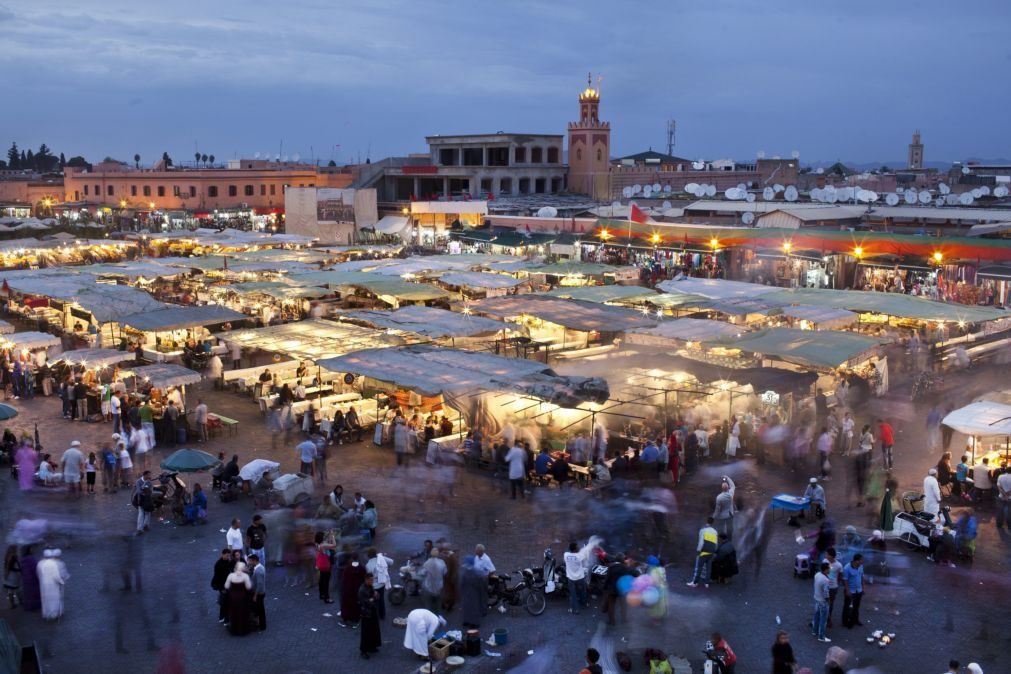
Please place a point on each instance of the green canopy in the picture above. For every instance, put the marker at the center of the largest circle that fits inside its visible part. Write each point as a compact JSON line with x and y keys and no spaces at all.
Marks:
{"x":813,"y":348}
{"x":604,"y":294}
{"x":189,"y":461}
{"x":889,"y":304}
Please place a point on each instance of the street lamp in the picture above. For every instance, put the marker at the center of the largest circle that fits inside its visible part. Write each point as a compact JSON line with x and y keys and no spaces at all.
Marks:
{"x":714,"y":244}
{"x":858,"y":251}
{"x":787,"y":246}
{"x":604,"y":235}
{"x":655,"y":239}
{"x":938,"y":257}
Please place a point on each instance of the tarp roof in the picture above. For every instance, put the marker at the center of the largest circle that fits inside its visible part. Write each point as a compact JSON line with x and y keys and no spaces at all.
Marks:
{"x":823,"y":317}
{"x":575,"y":269}
{"x":389,"y":286}
{"x":814,"y":348}
{"x":392,"y":224}
{"x":604,"y":294}
{"x":311,"y":339}
{"x":891,"y":304}
{"x":432,"y":370}
{"x":133,"y":269}
{"x":177,"y":318}
{"x":983,"y":418}
{"x":572,"y":314}
{"x":32,"y":340}
{"x":683,"y":329}
{"x":760,"y":378}
{"x":277,"y":289}
{"x":432,"y":322}
{"x":479,"y":279}
{"x":106,"y":302}
{"x":96,"y":357}
{"x":163,"y":375}
{"x":715,"y":289}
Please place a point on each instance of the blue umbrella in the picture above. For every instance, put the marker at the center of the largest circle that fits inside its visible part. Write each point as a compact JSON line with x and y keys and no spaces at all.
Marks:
{"x":189,"y":461}
{"x":7,"y":412}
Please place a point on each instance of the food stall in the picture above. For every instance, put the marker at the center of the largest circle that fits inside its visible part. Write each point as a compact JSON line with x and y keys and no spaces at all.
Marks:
{"x":166,"y":333}
{"x":461,"y":329}
{"x":987,"y":426}
{"x":156,"y":384}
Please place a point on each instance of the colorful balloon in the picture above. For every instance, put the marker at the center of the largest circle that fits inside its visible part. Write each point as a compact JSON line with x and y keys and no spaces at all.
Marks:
{"x":625,"y":584}
{"x":650,"y":596}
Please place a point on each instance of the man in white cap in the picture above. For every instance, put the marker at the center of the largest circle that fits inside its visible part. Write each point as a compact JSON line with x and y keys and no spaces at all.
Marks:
{"x":52,"y":573}
{"x":816,"y":493}
{"x":422,"y":625}
{"x":931,"y":493}
{"x":72,"y":462}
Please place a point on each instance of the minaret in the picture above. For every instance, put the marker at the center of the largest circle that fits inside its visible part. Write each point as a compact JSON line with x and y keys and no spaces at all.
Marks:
{"x":590,"y":147}
{"x":916,"y":152}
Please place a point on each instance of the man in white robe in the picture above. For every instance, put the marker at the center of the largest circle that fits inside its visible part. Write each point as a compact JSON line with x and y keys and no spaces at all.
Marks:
{"x":53,"y":577}
{"x":422,"y":625}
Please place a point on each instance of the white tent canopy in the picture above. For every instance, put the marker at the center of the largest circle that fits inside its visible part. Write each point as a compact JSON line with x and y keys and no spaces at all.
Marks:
{"x":825,"y":318}
{"x":164,"y":375}
{"x":683,"y":329}
{"x":715,"y":289}
{"x":96,"y":357}
{"x":310,"y":340}
{"x":393,"y":224}
{"x":177,"y":318}
{"x":478,"y":279}
{"x":432,"y":322}
{"x":983,"y":418}
{"x":33,"y":340}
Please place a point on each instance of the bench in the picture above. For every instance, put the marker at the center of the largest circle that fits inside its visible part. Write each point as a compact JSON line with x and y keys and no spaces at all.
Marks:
{"x":216,"y":421}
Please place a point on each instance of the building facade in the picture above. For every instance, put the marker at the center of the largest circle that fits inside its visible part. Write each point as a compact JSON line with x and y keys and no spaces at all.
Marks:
{"x":590,"y":148}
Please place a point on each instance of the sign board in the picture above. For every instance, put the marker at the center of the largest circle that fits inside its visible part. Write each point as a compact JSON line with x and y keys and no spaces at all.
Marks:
{"x":770,"y":398}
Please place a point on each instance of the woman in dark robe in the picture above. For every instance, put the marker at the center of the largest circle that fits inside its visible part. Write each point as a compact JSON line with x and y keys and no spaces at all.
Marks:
{"x":239,"y":587}
{"x":725,"y":561}
{"x":449,"y":587}
{"x":31,"y":595}
{"x":473,"y":593}
{"x":351,"y":580}
{"x":371,"y":639}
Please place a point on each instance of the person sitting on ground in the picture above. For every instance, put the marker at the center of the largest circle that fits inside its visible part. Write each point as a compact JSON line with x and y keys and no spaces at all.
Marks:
{"x":851,"y":539}
{"x":47,"y":471}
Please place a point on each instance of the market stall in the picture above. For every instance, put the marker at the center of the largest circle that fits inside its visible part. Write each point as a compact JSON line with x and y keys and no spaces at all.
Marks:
{"x":478,"y":284}
{"x":682,"y":331}
{"x":159,"y":384}
{"x":172,"y":333}
{"x":605,"y":294}
{"x":988,"y":427}
{"x":433,"y":323}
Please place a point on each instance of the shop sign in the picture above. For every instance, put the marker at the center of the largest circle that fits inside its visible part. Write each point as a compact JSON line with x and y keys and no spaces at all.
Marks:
{"x":770,"y":398}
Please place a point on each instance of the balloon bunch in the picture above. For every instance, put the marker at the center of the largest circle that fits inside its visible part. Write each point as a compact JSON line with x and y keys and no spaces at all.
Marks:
{"x":641,"y":590}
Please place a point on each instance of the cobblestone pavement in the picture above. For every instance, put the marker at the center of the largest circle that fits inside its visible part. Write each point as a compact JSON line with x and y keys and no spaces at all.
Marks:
{"x":937,"y":613}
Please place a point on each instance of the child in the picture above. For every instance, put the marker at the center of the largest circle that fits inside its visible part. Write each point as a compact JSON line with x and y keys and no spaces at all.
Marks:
{"x":89,"y":470}
{"x":961,"y":473}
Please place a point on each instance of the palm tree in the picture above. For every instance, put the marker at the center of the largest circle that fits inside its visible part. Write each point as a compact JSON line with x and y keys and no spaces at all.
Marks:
{"x":212,"y":160}
{"x":196,"y":158}
{"x":203,"y":158}
{"x":136,"y":160}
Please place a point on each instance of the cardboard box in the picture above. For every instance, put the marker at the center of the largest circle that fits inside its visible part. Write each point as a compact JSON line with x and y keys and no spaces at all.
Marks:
{"x":439,"y":649}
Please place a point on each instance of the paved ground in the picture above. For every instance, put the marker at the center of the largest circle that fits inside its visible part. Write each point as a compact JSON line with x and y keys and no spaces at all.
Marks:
{"x":937,"y":613}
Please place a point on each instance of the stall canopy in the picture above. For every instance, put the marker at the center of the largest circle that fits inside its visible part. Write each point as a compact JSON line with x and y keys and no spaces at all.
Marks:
{"x":432,"y":322}
{"x":432,"y":370}
{"x":163,"y":375}
{"x":983,"y":418}
{"x":381,"y":286}
{"x":760,"y":378}
{"x":889,"y":304}
{"x":134,"y":269}
{"x":825,"y":318}
{"x":571,"y":314}
{"x":669,"y":333}
{"x":478,"y":279}
{"x":813,"y":348}
{"x":605,"y":294}
{"x":277,"y":289}
{"x":33,"y":340}
{"x":312,"y":339}
{"x":178,"y":318}
{"x":715,"y":289}
{"x":96,"y":357}
{"x":393,"y":224}
{"x":576,"y":269}
{"x":6,"y":328}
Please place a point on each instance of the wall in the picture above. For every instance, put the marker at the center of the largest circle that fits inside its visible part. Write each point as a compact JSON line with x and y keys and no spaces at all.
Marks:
{"x":301,"y":213}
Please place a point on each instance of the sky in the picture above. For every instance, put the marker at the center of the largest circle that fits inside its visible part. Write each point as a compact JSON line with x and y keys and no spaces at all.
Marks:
{"x":328,"y":79}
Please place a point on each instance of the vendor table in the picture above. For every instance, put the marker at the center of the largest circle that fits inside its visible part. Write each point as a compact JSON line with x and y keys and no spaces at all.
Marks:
{"x":789,"y":503}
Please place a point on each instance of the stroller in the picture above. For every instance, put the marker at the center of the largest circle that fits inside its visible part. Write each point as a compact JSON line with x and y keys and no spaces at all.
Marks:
{"x":915,"y":526}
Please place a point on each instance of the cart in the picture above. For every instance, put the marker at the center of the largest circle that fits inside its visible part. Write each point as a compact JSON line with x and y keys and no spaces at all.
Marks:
{"x":291,"y":489}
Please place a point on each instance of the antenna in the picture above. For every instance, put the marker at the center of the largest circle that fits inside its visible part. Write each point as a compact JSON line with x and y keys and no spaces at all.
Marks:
{"x":671,"y":131}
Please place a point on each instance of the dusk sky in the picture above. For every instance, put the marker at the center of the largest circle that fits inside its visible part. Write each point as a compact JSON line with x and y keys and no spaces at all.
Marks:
{"x":849,"y":81}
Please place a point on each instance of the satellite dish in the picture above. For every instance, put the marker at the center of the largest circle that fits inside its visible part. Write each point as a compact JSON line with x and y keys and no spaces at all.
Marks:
{"x":790,"y":193}
{"x":951,"y":199}
{"x":710,"y":190}
{"x":873,"y":196}
{"x":965,"y":199}
{"x":742,"y":187}
{"x":863,"y":195}
{"x":547,"y":212}
{"x":666,"y":205}
{"x":666,"y":189}
{"x":750,"y":198}
{"x":925,"y":197}
{"x":647,"y":190}
{"x":691,"y":188}
{"x":256,"y":155}
{"x":943,"y":188}
{"x":277,"y":157}
{"x":976,"y":193}
{"x":984,"y":191}
{"x":820,"y":171}
{"x":731,"y":193}
{"x":1000,"y":191}
{"x":626,"y":192}
{"x":777,"y":188}
{"x":939,"y":202}
{"x":795,"y":154}
{"x":698,"y":165}
{"x":656,"y":187}
{"x":636,"y":188}
{"x":817,"y":194}
{"x":892,"y":199}
{"x":910,"y":196}
{"x":761,"y":154}
{"x":768,"y":194}
{"x":833,"y":197}
{"x":296,"y":157}
{"x":965,"y":170}
{"x":748,"y":218}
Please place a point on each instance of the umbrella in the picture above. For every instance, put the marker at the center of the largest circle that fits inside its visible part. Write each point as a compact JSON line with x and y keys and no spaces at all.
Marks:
{"x":189,"y":461}
{"x":7,"y":412}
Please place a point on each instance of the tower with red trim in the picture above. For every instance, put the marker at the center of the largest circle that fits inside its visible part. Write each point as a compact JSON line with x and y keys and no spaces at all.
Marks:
{"x":590,"y":148}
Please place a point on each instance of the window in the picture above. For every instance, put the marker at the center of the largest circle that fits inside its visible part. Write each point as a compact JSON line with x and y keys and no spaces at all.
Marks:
{"x":147,"y":190}
{"x":579,"y":153}
{"x":212,"y":190}
{"x":521,"y":155}
{"x":249,"y":190}
{"x":108,"y":190}
{"x":133,"y":190}
{"x":161,"y":190}
{"x":536,"y":155}
{"x":176,"y":191}
{"x":272,"y":190}
{"x":447,"y":156}
{"x":193,"y":190}
{"x":263,"y":189}
{"x":552,"y":155}
{"x":85,"y":190}
{"x":600,"y":154}
{"x":233,"y":191}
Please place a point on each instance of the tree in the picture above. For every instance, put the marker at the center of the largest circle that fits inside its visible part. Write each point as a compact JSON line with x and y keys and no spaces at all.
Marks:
{"x":166,"y":159}
{"x":203,"y":158}
{"x":332,"y":164}
{"x":211,"y":159}
{"x":136,"y":160}
{"x":23,"y":162}
{"x":78,"y":162}
{"x":13,"y":158}
{"x":63,"y":162}
{"x":196,"y":158}
{"x":29,"y":160}
{"x":884,"y":169}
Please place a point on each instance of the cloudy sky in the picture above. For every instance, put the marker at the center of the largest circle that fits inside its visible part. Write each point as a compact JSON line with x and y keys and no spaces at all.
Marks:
{"x":235,"y":77}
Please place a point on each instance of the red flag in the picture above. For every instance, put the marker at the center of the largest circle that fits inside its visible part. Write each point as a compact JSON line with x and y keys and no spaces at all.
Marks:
{"x":636,"y":214}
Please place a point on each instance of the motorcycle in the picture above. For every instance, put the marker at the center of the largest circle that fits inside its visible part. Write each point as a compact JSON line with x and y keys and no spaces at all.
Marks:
{"x":524,"y":593}
{"x":410,"y":583}
{"x":551,"y":577}
{"x":715,"y":660}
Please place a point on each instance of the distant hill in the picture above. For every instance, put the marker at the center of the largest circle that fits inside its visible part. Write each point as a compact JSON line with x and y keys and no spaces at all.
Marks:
{"x":874,"y":165}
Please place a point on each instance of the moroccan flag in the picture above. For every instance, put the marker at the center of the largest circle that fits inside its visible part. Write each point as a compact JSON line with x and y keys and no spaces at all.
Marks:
{"x":636,"y":214}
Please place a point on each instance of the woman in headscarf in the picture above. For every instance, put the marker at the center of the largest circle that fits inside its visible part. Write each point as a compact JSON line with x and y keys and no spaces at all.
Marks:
{"x":351,"y":580}
{"x":473,"y":593}
{"x":239,"y":587}
{"x":31,"y":597}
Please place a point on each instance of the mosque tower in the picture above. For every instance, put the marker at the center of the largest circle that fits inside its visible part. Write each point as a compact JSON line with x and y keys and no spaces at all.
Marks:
{"x":590,"y":148}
